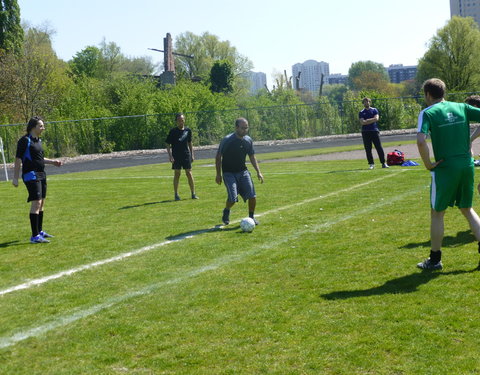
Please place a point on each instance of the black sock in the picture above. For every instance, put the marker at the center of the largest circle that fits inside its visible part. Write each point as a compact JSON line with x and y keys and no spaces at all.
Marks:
{"x":227,"y":210}
{"x":250,"y":214}
{"x":479,"y":247}
{"x":34,"y":224}
{"x":435,"y":256}
{"x":40,"y":221}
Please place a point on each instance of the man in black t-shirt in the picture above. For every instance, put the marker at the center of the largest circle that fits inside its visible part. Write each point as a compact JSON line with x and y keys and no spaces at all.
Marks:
{"x":30,"y":157}
{"x":230,"y":161}
{"x":181,"y":153}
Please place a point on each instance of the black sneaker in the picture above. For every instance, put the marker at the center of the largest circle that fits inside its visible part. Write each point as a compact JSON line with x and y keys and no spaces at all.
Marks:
{"x":177,"y":197}
{"x":226,"y":216}
{"x":428,"y":265}
{"x":255,"y":220}
{"x":194,"y":196}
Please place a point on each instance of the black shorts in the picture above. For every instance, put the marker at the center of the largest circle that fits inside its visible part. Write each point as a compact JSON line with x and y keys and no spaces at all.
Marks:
{"x":182,"y":163}
{"x":36,"y":189}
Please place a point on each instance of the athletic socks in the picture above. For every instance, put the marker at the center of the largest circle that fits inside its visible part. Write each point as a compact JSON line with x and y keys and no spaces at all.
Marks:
{"x":435,"y":256}
{"x":34,"y":222}
{"x":40,"y":221}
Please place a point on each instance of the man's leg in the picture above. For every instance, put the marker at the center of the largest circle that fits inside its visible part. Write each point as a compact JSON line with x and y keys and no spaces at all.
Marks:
{"x":437,"y":229}
{"x":473,"y":221}
{"x":367,"y":144}
{"x":226,"y":212}
{"x":252,"y":203}
{"x":176,"y":179}
{"x":378,"y":146}
{"x":191,"y":182}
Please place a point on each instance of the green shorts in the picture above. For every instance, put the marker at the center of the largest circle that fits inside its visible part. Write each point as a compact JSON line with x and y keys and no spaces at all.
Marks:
{"x":452,"y":186}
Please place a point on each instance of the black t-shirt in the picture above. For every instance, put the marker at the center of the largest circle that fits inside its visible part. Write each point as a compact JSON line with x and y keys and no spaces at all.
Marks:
{"x":179,"y":139}
{"x":234,"y":152}
{"x":32,"y":156}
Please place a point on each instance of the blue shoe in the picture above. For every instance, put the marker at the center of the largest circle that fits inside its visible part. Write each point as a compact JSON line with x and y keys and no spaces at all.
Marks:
{"x":177,"y":197}
{"x":194,"y":196}
{"x":45,"y":234}
{"x":38,"y":239}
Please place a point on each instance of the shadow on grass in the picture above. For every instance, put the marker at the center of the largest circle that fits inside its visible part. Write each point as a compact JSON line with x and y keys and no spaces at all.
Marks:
{"x":400,"y":285}
{"x":10,"y":243}
{"x":216,"y":228}
{"x":462,"y":238}
{"x":145,"y":204}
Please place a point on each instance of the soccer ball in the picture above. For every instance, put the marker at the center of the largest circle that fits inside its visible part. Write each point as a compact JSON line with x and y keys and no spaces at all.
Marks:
{"x":247,"y":224}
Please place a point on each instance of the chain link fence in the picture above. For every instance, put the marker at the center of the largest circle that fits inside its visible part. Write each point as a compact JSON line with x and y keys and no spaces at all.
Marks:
{"x":104,"y":135}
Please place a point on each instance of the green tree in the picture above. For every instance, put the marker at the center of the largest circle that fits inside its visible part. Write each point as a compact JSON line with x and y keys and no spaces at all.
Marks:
{"x":11,"y":32}
{"x":35,"y":77}
{"x":453,"y":55}
{"x":86,"y":63}
{"x":221,"y":76}
{"x":361,"y":72}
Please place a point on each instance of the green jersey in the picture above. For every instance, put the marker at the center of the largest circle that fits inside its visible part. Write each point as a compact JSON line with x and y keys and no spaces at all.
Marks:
{"x":448,"y":124}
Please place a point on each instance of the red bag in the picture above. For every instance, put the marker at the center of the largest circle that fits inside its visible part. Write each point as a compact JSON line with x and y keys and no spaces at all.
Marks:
{"x":396,"y":157}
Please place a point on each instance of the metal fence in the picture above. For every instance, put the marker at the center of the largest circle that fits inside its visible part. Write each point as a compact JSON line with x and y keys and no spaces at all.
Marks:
{"x":103,"y":135}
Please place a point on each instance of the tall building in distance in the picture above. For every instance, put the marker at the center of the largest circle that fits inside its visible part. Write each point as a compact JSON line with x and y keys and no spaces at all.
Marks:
{"x":258,"y":81}
{"x":465,"y":8}
{"x":399,"y":73}
{"x":310,"y":75}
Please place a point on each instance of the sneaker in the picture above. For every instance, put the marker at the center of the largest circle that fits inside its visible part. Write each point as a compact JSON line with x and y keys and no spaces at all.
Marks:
{"x":226,"y":217}
{"x":428,"y":265}
{"x":255,"y":220}
{"x":194,"y":196}
{"x":385,"y":165}
{"x":371,"y":166}
{"x":177,"y":197}
{"x":38,"y":239}
{"x":45,"y":234}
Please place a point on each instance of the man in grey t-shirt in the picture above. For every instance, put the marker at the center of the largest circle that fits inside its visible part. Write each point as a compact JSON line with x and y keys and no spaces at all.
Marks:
{"x":230,"y":161}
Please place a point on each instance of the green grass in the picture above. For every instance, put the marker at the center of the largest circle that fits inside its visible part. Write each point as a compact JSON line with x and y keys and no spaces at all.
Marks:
{"x":326,"y":284}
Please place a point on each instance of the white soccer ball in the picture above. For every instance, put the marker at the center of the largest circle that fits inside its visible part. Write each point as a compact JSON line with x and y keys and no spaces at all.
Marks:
{"x":247,"y":224}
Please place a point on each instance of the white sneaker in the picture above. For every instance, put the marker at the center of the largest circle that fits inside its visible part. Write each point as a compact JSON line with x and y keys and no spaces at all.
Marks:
{"x":371,"y":166}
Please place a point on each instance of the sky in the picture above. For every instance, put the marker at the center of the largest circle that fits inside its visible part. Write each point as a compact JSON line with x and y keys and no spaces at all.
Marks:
{"x":273,"y":34}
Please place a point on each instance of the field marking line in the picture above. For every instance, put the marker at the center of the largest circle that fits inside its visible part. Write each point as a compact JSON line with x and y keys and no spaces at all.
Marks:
{"x":43,"y":280}
{"x":7,"y":341}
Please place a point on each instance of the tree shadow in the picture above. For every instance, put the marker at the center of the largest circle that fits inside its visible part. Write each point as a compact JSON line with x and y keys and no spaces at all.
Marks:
{"x":462,"y":238}
{"x":145,"y":204}
{"x":10,"y":243}
{"x":400,"y":285}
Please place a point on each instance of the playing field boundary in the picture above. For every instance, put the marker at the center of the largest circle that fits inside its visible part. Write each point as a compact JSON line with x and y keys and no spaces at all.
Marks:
{"x":120,"y":257}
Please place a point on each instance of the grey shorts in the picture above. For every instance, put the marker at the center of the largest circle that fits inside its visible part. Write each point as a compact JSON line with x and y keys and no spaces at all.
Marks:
{"x":239,"y":183}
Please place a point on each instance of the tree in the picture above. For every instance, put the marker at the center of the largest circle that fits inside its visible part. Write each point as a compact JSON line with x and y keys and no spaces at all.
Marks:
{"x":370,"y":80}
{"x":206,"y":49}
{"x":11,"y":32}
{"x":358,"y":68}
{"x":87,"y":62}
{"x":34,"y":78}
{"x":453,"y":55}
{"x":221,"y":76}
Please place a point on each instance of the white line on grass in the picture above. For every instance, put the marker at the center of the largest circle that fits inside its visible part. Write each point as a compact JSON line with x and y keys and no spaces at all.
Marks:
{"x":64,"y":320}
{"x":43,"y":280}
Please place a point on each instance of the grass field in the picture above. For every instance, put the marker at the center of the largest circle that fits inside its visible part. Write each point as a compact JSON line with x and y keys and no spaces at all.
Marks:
{"x":135,"y":283}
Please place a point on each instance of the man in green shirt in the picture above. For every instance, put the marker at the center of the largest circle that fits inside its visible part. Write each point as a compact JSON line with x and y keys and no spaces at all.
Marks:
{"x":453,"y":170}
